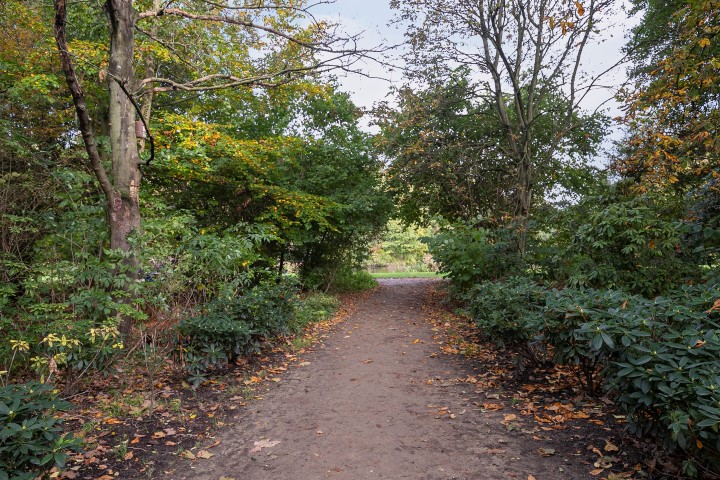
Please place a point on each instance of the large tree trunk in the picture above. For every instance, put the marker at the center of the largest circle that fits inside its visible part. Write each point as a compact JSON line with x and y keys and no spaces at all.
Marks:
{"x":122,"y":190}
{"x":125,"y":207}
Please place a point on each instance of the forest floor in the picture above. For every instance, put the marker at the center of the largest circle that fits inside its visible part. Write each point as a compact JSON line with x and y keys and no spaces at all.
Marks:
{"x":399,"y":388}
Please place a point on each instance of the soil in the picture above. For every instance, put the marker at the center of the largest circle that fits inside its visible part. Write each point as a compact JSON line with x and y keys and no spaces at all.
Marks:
{"x":380,"y":398}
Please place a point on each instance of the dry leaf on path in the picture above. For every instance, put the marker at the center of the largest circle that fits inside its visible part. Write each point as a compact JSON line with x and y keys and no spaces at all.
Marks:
{"x":609,"y":447}
{"x":260,"y":444}
{"x":204,"y":454}
{"x":546,"y":452}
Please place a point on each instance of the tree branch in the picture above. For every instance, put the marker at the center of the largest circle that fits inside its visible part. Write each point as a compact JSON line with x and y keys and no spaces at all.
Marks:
{"x":78,"y":97}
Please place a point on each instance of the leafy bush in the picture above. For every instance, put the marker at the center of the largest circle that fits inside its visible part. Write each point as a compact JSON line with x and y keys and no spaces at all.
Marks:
{"x":669,"y":381}
{"x":313,"y":308}
{"x":586,"y":329}
{"x":624,"y":241}
{"x":659,"y":356}
{"x":234,"y":326}
{"x":31,"y":439}
{"x":510,"y":311}
{"x":470,"y":254}
{"x":351,"y":280}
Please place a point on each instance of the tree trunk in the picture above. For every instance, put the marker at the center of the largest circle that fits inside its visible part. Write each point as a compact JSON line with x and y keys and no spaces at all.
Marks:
{"x":122,"y":189}
{"x":523,"y":199}
{"x":125,"y":206}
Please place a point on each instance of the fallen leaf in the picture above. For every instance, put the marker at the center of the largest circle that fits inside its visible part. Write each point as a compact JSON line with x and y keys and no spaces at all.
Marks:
{"x":510,"y":417}
{"x":188,"y":454}
{"x":129,"y":455}
{"x":417,"y":340}
{"x":546,"y":452}
{"x":530,"y":477}
{"x":493,"y":406}
{"x":157,"y":435}
{"x":597,"y":471}
{"x":609,"y":447}
{"x":260,"y":444}
{"x":204,"y":454}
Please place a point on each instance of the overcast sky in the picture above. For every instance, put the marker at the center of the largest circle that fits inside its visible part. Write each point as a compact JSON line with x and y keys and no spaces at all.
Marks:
{"x":371,"y":17}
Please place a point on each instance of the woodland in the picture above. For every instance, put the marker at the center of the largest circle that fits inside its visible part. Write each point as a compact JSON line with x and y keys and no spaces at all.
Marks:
{"x":186,"y":189}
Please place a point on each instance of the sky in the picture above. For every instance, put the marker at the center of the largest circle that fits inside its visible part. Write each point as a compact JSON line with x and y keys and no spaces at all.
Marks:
{"x":371,"y":17}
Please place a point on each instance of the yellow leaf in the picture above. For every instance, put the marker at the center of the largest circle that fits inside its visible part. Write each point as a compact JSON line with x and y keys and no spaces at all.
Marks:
{"x":704,"y":42}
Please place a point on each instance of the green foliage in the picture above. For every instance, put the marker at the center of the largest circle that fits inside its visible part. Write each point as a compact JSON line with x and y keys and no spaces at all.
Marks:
{"x":623,"y":241}
{"x":401,"y":246}
{"x":469,"y":254}
{"x":233,"y":326}
{"x":657,"y":357}
{"x":315,"y":307}
{"x":349,"y":280}
{"x":31,"y":438}
{"x":510,"y":312}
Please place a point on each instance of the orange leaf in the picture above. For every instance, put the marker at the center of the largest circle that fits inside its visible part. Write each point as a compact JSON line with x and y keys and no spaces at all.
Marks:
{"x":580,"y":8}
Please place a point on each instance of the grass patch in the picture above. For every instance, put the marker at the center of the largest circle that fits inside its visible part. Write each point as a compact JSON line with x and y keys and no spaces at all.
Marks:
{"x":406,"y":275}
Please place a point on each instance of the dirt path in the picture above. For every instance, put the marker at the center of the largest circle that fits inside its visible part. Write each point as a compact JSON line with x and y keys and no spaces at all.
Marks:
{"x":362,"y":407}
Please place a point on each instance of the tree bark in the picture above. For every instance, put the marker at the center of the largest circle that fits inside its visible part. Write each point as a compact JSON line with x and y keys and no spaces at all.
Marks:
{"x":125,"y":208}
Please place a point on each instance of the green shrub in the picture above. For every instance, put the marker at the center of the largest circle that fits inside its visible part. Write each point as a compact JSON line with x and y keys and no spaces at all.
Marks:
{"x":660,"y":357}
{"x":313,"y":308}
{"x":624,"y":241}
{"x":469,"y":254}
{"x":585,"y":329}
{"x":669,"y":381}
{"x":234,"y":326}
{"x":31,"y":438}
{"x":510,"y":311}
{"x":351,"y":280}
